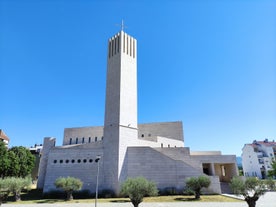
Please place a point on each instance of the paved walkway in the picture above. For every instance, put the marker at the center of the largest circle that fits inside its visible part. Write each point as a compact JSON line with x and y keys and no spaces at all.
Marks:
{"x":268,"y":200}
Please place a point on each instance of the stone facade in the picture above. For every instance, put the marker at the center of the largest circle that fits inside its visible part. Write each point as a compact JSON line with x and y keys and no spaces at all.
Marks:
{"x":127,"y":149}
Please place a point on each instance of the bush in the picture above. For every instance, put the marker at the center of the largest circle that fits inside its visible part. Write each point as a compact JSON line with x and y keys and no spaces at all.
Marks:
{"x":195,"y":184}
{"x":107,"y":193}
{"x":69,"y":185}
{"x":137,"y":188}
{"x":170,"y":191}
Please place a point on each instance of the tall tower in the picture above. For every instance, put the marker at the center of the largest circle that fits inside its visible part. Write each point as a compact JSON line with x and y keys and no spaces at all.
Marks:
{"x":120,"y":125}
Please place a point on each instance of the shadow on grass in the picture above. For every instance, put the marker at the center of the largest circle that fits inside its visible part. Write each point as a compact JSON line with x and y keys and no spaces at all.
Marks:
{"x":185,"y":199}
{"x":48,"y":201}
{"x":120,"y":201}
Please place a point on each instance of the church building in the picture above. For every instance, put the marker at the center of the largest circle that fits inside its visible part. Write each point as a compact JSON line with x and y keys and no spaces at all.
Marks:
{"x":124,"y":148}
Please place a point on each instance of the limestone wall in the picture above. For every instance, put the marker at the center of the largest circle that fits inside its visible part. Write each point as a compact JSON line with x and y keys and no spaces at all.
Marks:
{"x":157,"y":167}
{"x":81,"y":135}
{"x":172,"y":130}
{"x":77,"y":162}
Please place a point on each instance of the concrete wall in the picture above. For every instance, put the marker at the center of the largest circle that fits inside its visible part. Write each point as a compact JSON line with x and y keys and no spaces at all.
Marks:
{"x":78,"y":162}
{"x":86,"y":134}
{"x":173,"y":130}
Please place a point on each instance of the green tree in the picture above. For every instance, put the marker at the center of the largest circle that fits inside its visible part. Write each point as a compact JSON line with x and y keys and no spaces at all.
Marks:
{"x":251,"y":188}
{"x":15,"y":162}
{"x":195,"y":184}
{"x":4,"y":160}
{"x":25,"y":163}
{"x":3,"y":190}
{"x":15,"y":185}
{"x":272,"y":173}
{"x":137,"y":188}
{"x":69,"y":185}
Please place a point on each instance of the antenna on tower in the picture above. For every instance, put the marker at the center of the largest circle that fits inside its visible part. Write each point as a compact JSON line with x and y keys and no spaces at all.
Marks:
{"x":122,"y":25}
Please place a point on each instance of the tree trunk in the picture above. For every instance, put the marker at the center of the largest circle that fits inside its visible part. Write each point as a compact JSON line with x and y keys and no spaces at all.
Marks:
{"x":17,"y":196}
{"x":197,"y":195}
{"x":251,"y":202}
{"x":135,"y":204}
{"x":69,"y":195}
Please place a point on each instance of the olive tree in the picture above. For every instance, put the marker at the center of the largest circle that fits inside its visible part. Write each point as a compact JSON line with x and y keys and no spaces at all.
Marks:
{"x":15,"y":185}
{"x":137,"y":188}
{"x":3,"y":190}
{"x":195,"y":184}
{"x":69,"y":185}
{"x":251,"y":188}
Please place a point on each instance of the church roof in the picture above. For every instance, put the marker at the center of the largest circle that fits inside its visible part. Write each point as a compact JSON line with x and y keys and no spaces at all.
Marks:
{"x":3,"y":135}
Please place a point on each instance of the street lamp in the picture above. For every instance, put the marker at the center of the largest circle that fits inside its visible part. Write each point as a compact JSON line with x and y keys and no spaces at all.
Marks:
{"x":97,"y":160}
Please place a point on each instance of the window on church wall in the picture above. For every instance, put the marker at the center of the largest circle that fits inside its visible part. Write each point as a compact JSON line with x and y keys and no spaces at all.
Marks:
{"x":127,"y":44}
{"x":61,"y":161}
{"x":73,"y":161}
{"x":169,"y":146}
{"x":83,"y":140}
{"x":142,"y":135}
{"x":79,"y":161}
{"x":130,"y":47}
{"x":161,"y":145}
{"x":90,"y":160}
{"x":118,"y":48}
{"x":124,"y":43}
{"x":67,"y":161}
{"x":70,"y":141}
{"x":55,"y":161}
{"x":115,"y":45}
{"x":89,"y":139}
{"x":112,"y":47}
{"x":96,"y":139}
{"x":133,"y":48}
{"x":102,"y":137}
{"x":77,"y":139}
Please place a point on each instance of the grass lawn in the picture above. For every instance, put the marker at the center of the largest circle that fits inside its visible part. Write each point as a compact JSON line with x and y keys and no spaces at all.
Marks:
{"x":180,"y":198}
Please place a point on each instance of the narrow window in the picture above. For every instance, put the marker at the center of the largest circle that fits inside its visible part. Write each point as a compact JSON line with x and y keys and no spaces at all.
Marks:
{"x":142,"y":135}
{"x":133,"y":48}
{"x":115,"y":48}
{"x":119,"y":37}
{"x":169,"y":146}
{"x":83,"y":140}
{"x":109,"y":49}
{"x":77,"y":139}
{"x":96,"y":139}
{"x":102,"y":137}
{"x":130,"y":45}
{"x":161,"y":145}
{"x":70,"y":142}
{"x":124,"y":43}
{"x":127,"y":44}
{"x":112,"y":45}
{"x":89,"y":139}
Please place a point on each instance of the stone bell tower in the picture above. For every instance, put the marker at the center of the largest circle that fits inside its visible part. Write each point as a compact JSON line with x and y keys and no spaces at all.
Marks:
{"x":120,"y":125}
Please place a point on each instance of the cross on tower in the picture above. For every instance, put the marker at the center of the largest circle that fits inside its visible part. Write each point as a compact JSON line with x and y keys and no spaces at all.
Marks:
{"x":122,"y":25}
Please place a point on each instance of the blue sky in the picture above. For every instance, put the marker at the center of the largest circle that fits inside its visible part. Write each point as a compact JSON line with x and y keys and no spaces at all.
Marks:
{"x":210,"y":64}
